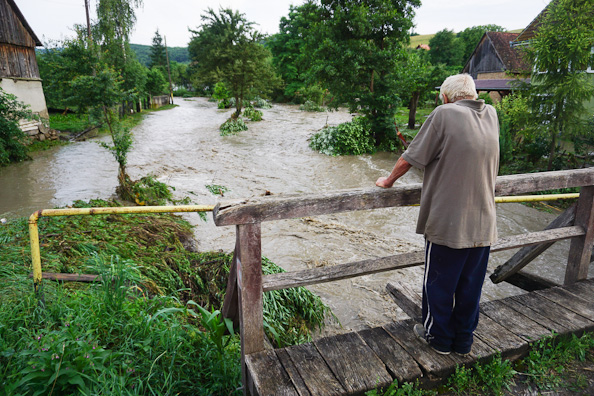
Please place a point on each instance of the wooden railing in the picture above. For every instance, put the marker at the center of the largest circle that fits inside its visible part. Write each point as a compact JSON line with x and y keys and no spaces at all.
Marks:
{"x":246,"y":286}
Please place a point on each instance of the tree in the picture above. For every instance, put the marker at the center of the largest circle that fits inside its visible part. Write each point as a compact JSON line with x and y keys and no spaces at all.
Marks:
{"x":472,"y":35}
{"x":12,"y":139}
{"x":158,"y":55}
{"x":414,"y":76}
{"x":156,"y":83}
{"x":227,"y":48}
{"x":561,"y":52}
{"x":358,"y":47}
{"x":291,"y":45}
{"x":116,"y":19}
{"x":446,"y":48}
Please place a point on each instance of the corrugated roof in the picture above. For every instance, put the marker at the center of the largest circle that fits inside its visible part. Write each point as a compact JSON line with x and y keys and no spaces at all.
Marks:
{"x":512,"y":58}
{"x":499,"y":85}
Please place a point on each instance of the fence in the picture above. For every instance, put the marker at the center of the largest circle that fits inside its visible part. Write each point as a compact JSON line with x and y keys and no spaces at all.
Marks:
{"x":246,"y":285}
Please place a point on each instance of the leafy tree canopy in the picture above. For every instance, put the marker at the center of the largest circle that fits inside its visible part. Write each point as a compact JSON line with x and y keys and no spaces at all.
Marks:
{"x":359,"y":45}
{"x":446,"y":48}
{"x":227,"y":49}
{"x":12,"y":139}
{"x":561,"y":52}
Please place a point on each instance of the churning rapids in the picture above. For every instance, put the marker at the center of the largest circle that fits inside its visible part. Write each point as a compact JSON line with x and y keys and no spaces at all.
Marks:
{"x":182,"y":147}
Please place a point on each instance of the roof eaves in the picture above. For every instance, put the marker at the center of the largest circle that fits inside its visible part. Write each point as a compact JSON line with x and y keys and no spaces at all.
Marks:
{"x":24,"y":22}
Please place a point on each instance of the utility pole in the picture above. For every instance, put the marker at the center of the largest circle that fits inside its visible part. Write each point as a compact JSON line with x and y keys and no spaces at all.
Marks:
{"x":88,"y":20}
{"x":169,"y":73}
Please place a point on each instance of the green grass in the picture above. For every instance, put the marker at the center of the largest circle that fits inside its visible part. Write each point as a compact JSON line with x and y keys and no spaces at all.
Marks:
{"x":152,"y":326}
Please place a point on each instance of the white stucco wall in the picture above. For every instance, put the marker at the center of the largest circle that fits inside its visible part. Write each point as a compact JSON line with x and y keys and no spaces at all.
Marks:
{"x":27,"y":91}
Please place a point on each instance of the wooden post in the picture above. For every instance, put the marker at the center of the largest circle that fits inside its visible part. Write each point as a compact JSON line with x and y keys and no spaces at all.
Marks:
{"x":249,"y":284}
{"x":580,"y":249}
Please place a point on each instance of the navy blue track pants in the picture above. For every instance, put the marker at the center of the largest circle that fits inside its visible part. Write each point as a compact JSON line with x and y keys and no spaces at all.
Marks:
{"x":452,"y":288}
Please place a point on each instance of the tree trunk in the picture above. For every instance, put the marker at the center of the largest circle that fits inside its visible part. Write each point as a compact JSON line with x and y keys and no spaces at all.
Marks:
{"x":412,"y":109}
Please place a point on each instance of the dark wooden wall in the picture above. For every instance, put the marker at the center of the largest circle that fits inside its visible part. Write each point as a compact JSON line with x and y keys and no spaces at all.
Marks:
{"x":17,"y":46}
{"x":484,"y":59}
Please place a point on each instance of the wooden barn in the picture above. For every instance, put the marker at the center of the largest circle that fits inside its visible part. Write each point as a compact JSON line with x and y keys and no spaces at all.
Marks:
{"x":495,"y":65}
{"x":19,"y":73}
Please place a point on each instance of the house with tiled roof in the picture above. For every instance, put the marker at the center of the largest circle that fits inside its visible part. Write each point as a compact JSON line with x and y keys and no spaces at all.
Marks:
{"x":495,"y":65}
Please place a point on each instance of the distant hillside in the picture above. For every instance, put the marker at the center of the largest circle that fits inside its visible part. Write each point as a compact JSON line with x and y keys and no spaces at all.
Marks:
{"x":424,"y":38}
{"x":143,"y":53}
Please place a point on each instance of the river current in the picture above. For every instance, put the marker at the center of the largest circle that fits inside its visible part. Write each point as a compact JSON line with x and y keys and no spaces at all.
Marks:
{"x":183,"y":148}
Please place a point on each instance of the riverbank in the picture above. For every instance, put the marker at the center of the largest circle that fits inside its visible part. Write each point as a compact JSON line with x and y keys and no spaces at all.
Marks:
{"x":150,"y":324}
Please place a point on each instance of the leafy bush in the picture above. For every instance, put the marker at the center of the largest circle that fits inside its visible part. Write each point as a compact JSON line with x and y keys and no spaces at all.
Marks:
{"x":149,"y":191}
{"x":12,"y":139}
{"x":260,"y":103}
{"x":233,"y":126}
{"x":252,"y":114}
{"x":311,"y":107}
{"x":349,"y":138}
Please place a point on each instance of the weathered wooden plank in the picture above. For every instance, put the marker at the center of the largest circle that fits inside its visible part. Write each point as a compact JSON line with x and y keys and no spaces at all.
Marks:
{"x":432,"y":363}
{"x":535,"y":316}
{"x":499,"y":338}
{"x":529,"y":282}
{"x":570,"y":301}
{"x":68,"y":277}
{"x":556,"y":313}
{"x":406,"y":298}
{"x":255,"y":210}
{"x":291,"y":370}
{"x":314,"y":371}
{"x":399,"y":363}
{"x":267,"y":377}
{"x":512,"y":320}
{"x":353,"y":363}
{"x":525,"y":255}
{"x":580,"y":249}
{"x":583,"y":288}
{"x":285,"y":280}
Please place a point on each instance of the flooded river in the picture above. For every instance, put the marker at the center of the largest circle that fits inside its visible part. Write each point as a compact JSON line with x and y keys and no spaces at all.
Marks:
{"x":182,"y":147}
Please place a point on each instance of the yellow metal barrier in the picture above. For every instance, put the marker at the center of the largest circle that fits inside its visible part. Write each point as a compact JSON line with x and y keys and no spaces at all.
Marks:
{"x":34,"y":231}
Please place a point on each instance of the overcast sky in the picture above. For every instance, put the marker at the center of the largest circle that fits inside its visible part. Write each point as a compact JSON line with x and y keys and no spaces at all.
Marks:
{"x":53,"y":19}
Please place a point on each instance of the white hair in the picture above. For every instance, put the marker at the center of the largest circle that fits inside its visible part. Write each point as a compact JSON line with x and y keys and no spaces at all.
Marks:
{"x":459,"y":86}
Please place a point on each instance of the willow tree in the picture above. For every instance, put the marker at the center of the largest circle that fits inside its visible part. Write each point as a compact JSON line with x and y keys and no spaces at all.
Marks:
{"x":359,"y":46}
{"x":115,"y":21}
{"x":561,"y":85}
{"x":227,"y":49}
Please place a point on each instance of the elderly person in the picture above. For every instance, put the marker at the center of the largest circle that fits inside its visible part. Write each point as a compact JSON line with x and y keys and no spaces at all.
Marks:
{"x":458,"y":148}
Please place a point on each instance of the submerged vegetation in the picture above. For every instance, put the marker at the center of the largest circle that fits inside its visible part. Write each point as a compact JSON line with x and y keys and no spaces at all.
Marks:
{"x":151,"y":325}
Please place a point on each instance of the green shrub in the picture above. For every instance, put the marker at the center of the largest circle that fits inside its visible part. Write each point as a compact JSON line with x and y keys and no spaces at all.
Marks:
{"x":12,"y":140}
{"x":311,"y":107}
{"x":252,"y":114}
{"x":260,"y":103}
{"x":233,"y":126}
{"x":349,"y":138}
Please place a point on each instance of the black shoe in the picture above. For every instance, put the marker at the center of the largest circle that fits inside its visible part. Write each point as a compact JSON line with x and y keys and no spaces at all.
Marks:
{"x":419,"y":332}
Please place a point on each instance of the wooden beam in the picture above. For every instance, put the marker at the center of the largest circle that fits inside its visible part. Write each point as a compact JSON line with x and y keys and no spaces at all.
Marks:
{"x":580,"y":249}
{"x":231,"y":302}
{"x":56,"y":276}
{"x":407,"y":299}
{"x":312,"y":276}
{"x":260,"y":209}
{"x":530,"y":282}
{"x":525,"y":255}
{"x":249,"y":284}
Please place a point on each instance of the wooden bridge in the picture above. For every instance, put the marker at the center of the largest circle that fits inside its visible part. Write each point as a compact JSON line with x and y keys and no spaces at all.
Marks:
{"x":354,"y":363}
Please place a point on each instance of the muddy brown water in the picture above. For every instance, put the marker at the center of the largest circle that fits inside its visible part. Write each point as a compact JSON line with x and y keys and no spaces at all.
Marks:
{"x":182,"y":147}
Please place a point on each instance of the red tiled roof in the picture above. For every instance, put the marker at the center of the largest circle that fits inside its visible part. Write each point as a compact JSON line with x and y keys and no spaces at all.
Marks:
{"x":513,"y":58}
